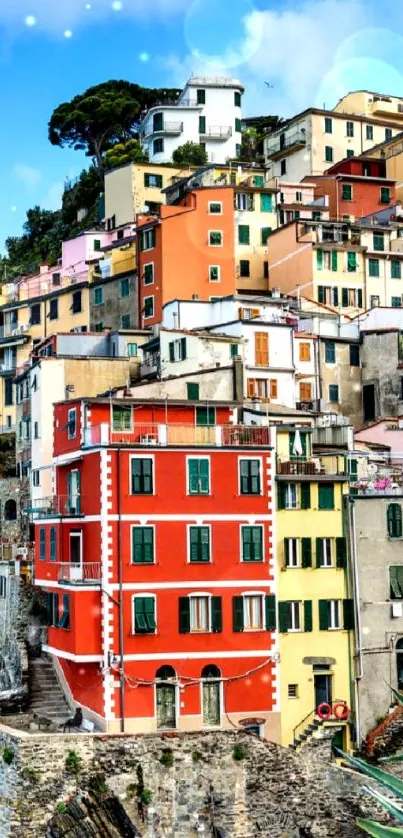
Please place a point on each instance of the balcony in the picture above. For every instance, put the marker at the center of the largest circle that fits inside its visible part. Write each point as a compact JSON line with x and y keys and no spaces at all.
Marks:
{"x":87,"y":573}
{"x":216,"y":132}
{"x":321,"y":467}
{"x":172,"y":128}
{"x":179,"y":435}
{"x":56,"y":506}
{"x":284,"y":144}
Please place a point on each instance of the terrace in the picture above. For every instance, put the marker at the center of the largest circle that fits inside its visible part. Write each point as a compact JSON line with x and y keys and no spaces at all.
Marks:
{"x":163,"y":435}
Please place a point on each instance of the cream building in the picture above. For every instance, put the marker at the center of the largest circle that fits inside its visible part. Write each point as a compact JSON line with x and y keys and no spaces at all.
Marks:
{"x":377,"y":106}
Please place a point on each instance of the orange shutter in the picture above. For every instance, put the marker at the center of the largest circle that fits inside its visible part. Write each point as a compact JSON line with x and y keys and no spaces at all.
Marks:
{"x":255,"y":312}
{"x":261,"y":349}
{"x":273,"y":388}
{"x":305,"y":392}
{"x":304,"y":352}
{"x":251,"y":387}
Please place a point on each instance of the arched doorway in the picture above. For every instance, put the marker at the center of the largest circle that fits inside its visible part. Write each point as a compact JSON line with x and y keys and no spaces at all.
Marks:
{"x":166,"y":697}
{"x":10,"y":510}
{"x":399,"y":663}
{"x":211,"y":695}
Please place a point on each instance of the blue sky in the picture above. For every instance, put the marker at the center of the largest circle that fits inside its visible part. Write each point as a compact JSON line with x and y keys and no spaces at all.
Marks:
{"x":312,"y":52}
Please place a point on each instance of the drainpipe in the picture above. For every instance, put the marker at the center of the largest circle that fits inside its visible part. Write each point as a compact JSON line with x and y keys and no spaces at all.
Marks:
{"x":121,"y":628}
{"x":357,"y":616}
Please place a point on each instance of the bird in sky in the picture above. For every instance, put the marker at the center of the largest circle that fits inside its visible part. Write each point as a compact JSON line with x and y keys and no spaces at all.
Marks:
{"x":269,"y":84}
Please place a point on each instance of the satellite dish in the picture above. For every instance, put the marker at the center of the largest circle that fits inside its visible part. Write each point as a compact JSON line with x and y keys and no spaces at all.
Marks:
{"x":145,"y":208}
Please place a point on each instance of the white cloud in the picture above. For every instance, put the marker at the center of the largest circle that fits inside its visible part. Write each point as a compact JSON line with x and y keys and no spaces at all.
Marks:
{"x":308,"y":52}
{"x":53,"y":198}
{"x":27,"y":175}
{"x":55,"y":17}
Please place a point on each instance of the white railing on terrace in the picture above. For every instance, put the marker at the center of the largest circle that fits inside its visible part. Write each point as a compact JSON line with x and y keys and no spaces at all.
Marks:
{"x":86,"y":573}
{"x":166,"y":435}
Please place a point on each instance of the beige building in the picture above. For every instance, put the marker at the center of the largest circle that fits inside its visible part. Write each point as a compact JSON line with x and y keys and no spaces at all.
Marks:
{"x":392,"y":152}
{"x":376,"y":106}
{"x":340,"y":378}
{"x":313,"y":140}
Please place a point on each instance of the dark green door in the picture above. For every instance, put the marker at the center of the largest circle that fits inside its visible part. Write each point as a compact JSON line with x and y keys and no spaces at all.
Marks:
{"x":166,"y":709}
{"x":323,"y":689}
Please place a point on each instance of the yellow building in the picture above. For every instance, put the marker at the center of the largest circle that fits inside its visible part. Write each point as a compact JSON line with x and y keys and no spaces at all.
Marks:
{"x":315,"y":611}
{"x":392,"y":152}
{"x":377,"y":106}
{"x":255,"y":220}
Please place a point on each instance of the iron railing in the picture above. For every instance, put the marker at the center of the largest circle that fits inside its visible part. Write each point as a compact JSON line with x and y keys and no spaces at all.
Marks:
{"x":166,"y":435}
{"x":55,"y":505}
{"x":85,"y":573}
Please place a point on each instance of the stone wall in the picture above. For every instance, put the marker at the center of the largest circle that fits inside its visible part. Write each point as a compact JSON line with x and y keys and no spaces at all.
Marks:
{"x":13,"y":489}
{"x":194,"y":782}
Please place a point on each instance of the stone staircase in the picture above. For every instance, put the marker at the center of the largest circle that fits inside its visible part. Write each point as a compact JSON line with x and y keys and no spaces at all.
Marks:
{"x":47,"y":697}
{"x":307,"y":733}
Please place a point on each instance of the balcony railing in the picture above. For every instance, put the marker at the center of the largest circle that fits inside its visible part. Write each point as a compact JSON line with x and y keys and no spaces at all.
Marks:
{"x":166,"y":435}
{"x":217,"y":132}
{"x":172,"y":128}
{"x":87,"y":573}
{"x":55,"y":506}
{"x":277,"y":145}
{"x":316,"y":466}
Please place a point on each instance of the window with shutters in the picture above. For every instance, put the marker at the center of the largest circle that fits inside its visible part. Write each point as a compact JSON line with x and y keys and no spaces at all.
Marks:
{"x":193,"y":391}
{"x":201,"y":96}
{"x":215,"y":238}
{"x":64,"y":619}
{"x":394,"y":520}
{"x":53,"y":544}
{"x":333,"y":393}
{"x":147,"y":239}
{"x":142,"y":545}
{"x":76,"y":304}
{"x":304,"y":351}
{"x":294,"y":615}
{"x":291,"y":552}
{"x":158,"y":146}
{"x":346,"y":192}
{"x":199,"y":544}
{"x":177,"y":350}
{"x":71,"y":423}
{"x":148,"y":274}
{"x":396,"y":581}
{"x":385,"y":195}
{"x":305,"y":391}
{"x":215,"y":207}
{"x":54,"y":308}
{"x":73,"y":505}
{"x":328,"y":125}
{"x":42,"y":544}
{"x":253,"y":612}
{"x":350,"y":129}
{"x":205,"y":416}
{"x":152,"y":180}
{"x":324,"y":552}
{"x":252,"y":544}
{"x":395,"y":269}
{"x":326,"y":495}
{"x":334,"y":614}
{"x":243,"y":234}
{"x":200,"y":619}
{"x":250,"y":477}
{"x":351,"y":262}
{"x":244,"y":201}
{"x":354,"y":355}
{"x":329,"y":154}
{"x":290,"y":496}
{"x":379,"y":241}
{"x":141,"y":482}
{"x":125,"y":287}
{"x":266,"y":204}
{"x":148,"y":307}
{"x":244,"y":268}
{"x":369,"y":131}
{"x":330,"y":352}
{"x":214,"y":273}
{"x":198,"y":476}
{"x":373,"y":267}
{"x":122,"y":418}
{"x":261,"y":349}
{"x":144,"y":614}
{"x":264,"y":235}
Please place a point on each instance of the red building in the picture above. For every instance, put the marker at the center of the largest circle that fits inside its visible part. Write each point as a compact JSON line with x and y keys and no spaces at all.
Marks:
{"x":156,"y":555}
{"x":356,"y":187}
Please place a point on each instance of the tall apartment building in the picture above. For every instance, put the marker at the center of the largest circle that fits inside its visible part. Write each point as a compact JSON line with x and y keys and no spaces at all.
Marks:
{"x":316,"y":616}
{"x":313,"y":140}
{"x":160,"y":577}
{"x":207,"y":112}
{"x":355,"y":188}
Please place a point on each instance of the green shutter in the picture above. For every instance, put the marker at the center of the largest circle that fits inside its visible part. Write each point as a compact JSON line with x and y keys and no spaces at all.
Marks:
{"x":171,"y":348}
{"x":395,"y":269}
{"x":148,"y":544}
{"x":270,"y":607}
{"x":140,"y":624}
{"x":341,"y":552}
{"x":53,"y":544}
{"x":323,"y":614}
{"x":283,"y":616}
{"x":305,"y":495}
{"x":42,"y":544}
{"x":265,"y":233}
{"x":281,"y":495}
{"x":265,"y":203}
{"x":351,"y":262}
{"x":244,"y":470}
{"x":246,"y":544}
{"x":193,"y":474}
{"x":192,"y":391}
{"x":319,"y":552}
{"x":394,"y":518}
{"x":334,"y":260}
{"x":216,"y":614}
{"x":308,"y":615}
{"x":321,"y":294}
{"x":237,"y":613}
{"x":344,"y":297}
{"x":326,"y":496}
{"x":257,"y":545}
{"x":306,"y":550}
{"x":184,"y":615}
{"x":243,"y":234}
{"x":319,"y":259}
{"x":335,"y":296}
{"x":204,"y":544}
{"x":147,"y":470}
{"x":149,"y":612}
{"x":348,"y":614}
{"x":286,"y":540}
{"x":183,"y":349}
{"x":202,"y":124}
{"x":204,"y":476}
{"x":359,"y":298}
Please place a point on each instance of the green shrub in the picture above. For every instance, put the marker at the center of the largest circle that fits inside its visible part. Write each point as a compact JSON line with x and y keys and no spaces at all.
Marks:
{"x":167,"y":758}
{"x":239,"y":752}
{"x":73,"y":763}
{"x":197,"y":756}
{"x":30,"y":773}
{"x":146,"y":797}
{"x":61,"y":808}
{"x":8,"y":755}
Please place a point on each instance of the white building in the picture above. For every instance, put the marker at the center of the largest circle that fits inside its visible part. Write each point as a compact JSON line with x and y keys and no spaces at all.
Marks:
{"x":208,"y":112}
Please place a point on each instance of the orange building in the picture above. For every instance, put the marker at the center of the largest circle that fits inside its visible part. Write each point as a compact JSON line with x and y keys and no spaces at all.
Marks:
{"x":188,"y":251}
{"x":355,"y":187}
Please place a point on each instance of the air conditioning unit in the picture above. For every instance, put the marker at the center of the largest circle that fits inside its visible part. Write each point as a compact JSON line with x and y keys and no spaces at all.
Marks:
{"x":397,"y":609}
